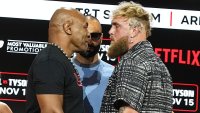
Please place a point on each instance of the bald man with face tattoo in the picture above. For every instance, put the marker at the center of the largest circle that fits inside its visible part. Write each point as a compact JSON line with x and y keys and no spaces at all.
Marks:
{"x":54,"y":85}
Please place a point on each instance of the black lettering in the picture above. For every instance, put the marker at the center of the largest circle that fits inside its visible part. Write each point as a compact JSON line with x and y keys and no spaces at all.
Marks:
{"x":185,"y":20}
{"x":157,"y":17}
{"x":106,"y":13}
{"x":194,"y":20}
{"x":86,"y":11}
{"x":95,"y":12}
{"x":79,"y":9}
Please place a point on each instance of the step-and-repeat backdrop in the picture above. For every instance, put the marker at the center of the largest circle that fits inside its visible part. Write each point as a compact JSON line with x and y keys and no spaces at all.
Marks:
{"x":175,"y":37}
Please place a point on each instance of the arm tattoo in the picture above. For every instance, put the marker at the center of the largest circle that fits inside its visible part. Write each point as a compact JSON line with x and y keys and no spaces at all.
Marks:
{"x":121,"y":109}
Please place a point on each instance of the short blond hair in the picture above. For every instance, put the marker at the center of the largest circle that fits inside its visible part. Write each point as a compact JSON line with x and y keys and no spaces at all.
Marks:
{"x":136,"y":15}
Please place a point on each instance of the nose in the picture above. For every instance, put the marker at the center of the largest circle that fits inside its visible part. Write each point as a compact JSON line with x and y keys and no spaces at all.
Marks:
{"x":111,"y":31}
{"x":89,"y":38}
{"x":88,"y":35}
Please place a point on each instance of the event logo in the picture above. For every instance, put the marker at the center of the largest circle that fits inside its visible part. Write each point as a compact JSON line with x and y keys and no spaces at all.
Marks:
{"x":13,"y":86}
{"x":1,"y":43}
{"x":180,"y":56}
{"x":27,"y":47}
{"x":185,"y":97}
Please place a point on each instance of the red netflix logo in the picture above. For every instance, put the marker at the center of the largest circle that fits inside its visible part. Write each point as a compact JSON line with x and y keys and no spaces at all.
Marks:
{"x":189,"y":57}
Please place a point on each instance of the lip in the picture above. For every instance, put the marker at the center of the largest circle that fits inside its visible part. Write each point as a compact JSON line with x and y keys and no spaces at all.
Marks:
{"x":111,"y":38}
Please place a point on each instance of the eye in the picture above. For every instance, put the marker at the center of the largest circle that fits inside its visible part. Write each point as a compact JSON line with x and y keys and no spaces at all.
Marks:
{"x":116,"y":25}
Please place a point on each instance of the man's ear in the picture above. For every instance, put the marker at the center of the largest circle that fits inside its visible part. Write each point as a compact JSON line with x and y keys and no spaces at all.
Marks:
{"x":135,"y":32}
{"x":67,"y":27}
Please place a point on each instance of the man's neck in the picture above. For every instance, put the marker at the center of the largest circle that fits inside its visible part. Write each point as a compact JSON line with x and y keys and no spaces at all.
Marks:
{"x":83,"y":60}
{"x":65,"y":45}
{"x":135,"y":41}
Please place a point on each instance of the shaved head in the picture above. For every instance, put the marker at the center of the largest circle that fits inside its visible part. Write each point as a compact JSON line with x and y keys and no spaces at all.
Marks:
{"x":61,"y":15}
{"x":68,"y":29}
{"x":60,"y":19}
{"x":93,"y":24}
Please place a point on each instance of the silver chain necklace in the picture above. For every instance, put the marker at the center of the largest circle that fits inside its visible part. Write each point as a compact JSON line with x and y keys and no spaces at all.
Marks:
{"x":53,"y":44}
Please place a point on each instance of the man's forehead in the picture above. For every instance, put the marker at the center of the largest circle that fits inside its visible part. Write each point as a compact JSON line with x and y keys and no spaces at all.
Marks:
{"x":75,"y":13}
{"x":118,"y":20}
{"x":94,"y":26}
{"x":78,"y":15}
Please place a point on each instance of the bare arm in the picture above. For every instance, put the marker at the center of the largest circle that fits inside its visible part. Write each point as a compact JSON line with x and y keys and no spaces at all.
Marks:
{"x":4,"y":108}
{"x":50,"y":103}
{"x":127,"y":109}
